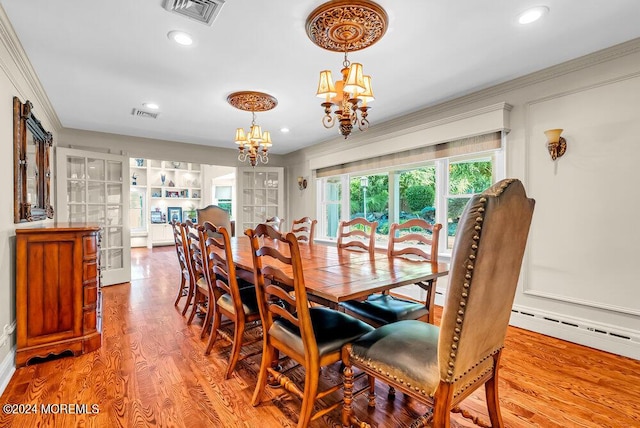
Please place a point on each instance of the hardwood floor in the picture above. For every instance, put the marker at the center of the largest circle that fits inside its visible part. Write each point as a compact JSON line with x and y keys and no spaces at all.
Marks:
{"x":152,"y":371}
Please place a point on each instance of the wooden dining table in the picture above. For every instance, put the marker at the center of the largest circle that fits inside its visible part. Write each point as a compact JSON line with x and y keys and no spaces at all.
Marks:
{"x":333,"y":275}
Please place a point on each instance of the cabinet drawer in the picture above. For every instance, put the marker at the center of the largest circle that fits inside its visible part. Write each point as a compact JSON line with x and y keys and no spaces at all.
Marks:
{"x":89,"y":324}
{"x":89,"y":247}
{"x":90,"y":271}
{"x":90,"y":296}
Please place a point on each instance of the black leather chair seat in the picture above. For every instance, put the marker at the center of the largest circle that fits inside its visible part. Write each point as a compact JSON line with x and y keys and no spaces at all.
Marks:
{"x":385,"y":309}
{"x":333,"y":329}
{"x":248,"y":297}
{"x":406,"y":350}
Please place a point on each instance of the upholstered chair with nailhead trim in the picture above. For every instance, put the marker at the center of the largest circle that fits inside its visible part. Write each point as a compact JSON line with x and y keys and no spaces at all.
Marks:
{"x":441,"y":366}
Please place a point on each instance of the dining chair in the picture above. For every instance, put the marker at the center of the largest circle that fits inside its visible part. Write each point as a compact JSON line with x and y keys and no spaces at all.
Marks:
{"x":201,"y":291}
{"x":304,"y":229}
{"x":275,"y":222}
{"x":238,"y":305}
{"x":311,"y":336}
{"x":410,"y":240}
{"x":185,"y":289}
{"x":441,"y":366}
{"x":217,"y":216}
{"x":362,"y":230}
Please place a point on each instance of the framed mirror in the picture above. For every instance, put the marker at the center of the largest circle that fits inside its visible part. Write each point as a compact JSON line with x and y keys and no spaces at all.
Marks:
{"x":32,"y":165}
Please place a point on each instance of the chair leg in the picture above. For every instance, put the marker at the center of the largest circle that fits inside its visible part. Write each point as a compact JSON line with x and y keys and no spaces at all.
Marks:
{"x":196,"y":300}
{"x":217,"y":319}
{"x":206,"y":324}
{"x":312,"y":374}
{"x":236,"y":347}
{"x":190,"y":297}
{"x":372,"y":391}
{"x":347,"y":394}
{"x":267,"y":357}
{"x":491,"y":393}
{"x":180,"y":290}
{"x":441,"y":406}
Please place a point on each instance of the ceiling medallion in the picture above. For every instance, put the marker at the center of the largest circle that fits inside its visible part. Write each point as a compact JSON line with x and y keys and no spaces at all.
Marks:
{"x":252,"y":101}
{"x":347,"y":25}
{"x":254,"y":145}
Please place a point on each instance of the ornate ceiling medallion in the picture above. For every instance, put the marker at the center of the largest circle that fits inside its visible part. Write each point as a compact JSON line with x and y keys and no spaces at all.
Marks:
{"x":346,"y":25}
{"x":253,"y":144}
{"x":252,"y":101}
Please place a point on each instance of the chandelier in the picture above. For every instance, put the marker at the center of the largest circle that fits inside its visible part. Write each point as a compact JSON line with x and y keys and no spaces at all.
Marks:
{"x":253,"y":145}
{"x":346,"y":26}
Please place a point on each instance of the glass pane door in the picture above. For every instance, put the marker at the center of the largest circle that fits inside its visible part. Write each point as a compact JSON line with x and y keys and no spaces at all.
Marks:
{"x":92,"y":189}
{"x":260,"y":193}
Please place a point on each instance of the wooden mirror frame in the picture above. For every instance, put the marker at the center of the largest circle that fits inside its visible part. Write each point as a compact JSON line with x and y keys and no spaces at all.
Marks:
{"x":25,"y":124}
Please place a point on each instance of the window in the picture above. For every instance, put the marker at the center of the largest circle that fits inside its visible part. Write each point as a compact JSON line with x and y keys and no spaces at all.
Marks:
{"x":465,"y":178}
{"x":223,"y":197}
{"x":369,"y":198}
{"x":437,"y":191}
{"x":331,"y":206}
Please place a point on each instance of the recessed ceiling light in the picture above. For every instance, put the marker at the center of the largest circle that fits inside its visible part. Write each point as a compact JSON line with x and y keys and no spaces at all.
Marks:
{"x":284,"y":130}
{"x":180,"y":38}
{"x":152,"y":106}
{"x":532,"y":15}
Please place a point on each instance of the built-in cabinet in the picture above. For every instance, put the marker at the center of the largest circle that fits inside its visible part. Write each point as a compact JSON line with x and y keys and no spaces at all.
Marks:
{"x":161,"y":191}
{"x":58,"y":298}
{"x":161,"y":234}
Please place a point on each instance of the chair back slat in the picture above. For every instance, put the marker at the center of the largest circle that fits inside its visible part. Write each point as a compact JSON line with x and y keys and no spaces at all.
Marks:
{"x":179,"y":239}
{"x":363,"y":228}
{"x":421,"y":239}
{"x":274,"y":253}
{"x":304,"y":229}
{"x":220,"y":269}
{"x":275,"y":222}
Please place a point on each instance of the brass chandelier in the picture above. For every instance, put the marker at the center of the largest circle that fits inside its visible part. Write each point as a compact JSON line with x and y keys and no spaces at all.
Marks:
{"x":253,"y":145}
{"x":346,"y":26}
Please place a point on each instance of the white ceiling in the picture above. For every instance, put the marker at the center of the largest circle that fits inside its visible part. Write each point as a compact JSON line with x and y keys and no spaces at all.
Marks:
{"x":97,"y":60}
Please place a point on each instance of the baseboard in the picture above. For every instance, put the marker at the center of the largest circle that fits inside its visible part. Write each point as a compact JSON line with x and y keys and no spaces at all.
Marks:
{"x":601,"y":336}
{"x":7,"y":368}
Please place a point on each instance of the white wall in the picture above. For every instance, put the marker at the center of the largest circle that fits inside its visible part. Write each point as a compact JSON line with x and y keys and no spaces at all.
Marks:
{"x":16,"y":79}
{"x":579,"y":279}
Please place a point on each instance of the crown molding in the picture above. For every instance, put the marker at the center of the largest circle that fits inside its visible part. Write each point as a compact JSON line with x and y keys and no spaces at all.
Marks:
{"x":27,"y":73}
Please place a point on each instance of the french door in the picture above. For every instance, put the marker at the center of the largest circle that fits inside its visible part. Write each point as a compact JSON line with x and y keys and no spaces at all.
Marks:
{"x":94,"y":188}
{"x":260,"y":196}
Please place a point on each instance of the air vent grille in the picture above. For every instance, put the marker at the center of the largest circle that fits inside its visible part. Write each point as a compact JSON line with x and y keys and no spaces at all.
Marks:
{"x":142,"y":113}
{"x":204,"y":11}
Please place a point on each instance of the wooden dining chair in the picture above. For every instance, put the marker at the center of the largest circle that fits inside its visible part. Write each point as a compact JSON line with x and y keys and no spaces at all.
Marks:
{"x":186,"y":288}
{"x":201,"y":291}
{"x":238,"y":305}
{"x":304,"y":229}
{"x":420,"y":241}
{"x":357,"y":233}
{"x":275,"y":222}
{"x":441,"y":366}
{"x":311,"y":336}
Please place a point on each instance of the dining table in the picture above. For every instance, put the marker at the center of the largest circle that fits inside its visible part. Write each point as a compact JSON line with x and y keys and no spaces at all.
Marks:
{"x":333,"y":275}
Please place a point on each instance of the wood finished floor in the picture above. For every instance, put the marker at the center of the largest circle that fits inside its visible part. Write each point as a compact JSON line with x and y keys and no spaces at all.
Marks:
{"x":152,"y":371}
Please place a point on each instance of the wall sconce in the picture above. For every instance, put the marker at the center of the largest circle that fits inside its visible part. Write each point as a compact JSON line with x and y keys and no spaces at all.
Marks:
{"x":555,"y":143}
{"x":302,"y":183}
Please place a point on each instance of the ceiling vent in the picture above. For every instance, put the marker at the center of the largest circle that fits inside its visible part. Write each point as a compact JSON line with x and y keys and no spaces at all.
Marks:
{"x":141,"y":113}
{"x":204,"y":11}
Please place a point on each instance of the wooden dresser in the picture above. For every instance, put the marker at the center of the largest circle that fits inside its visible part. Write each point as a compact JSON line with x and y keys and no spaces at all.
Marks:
{"x":58,"y":299}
